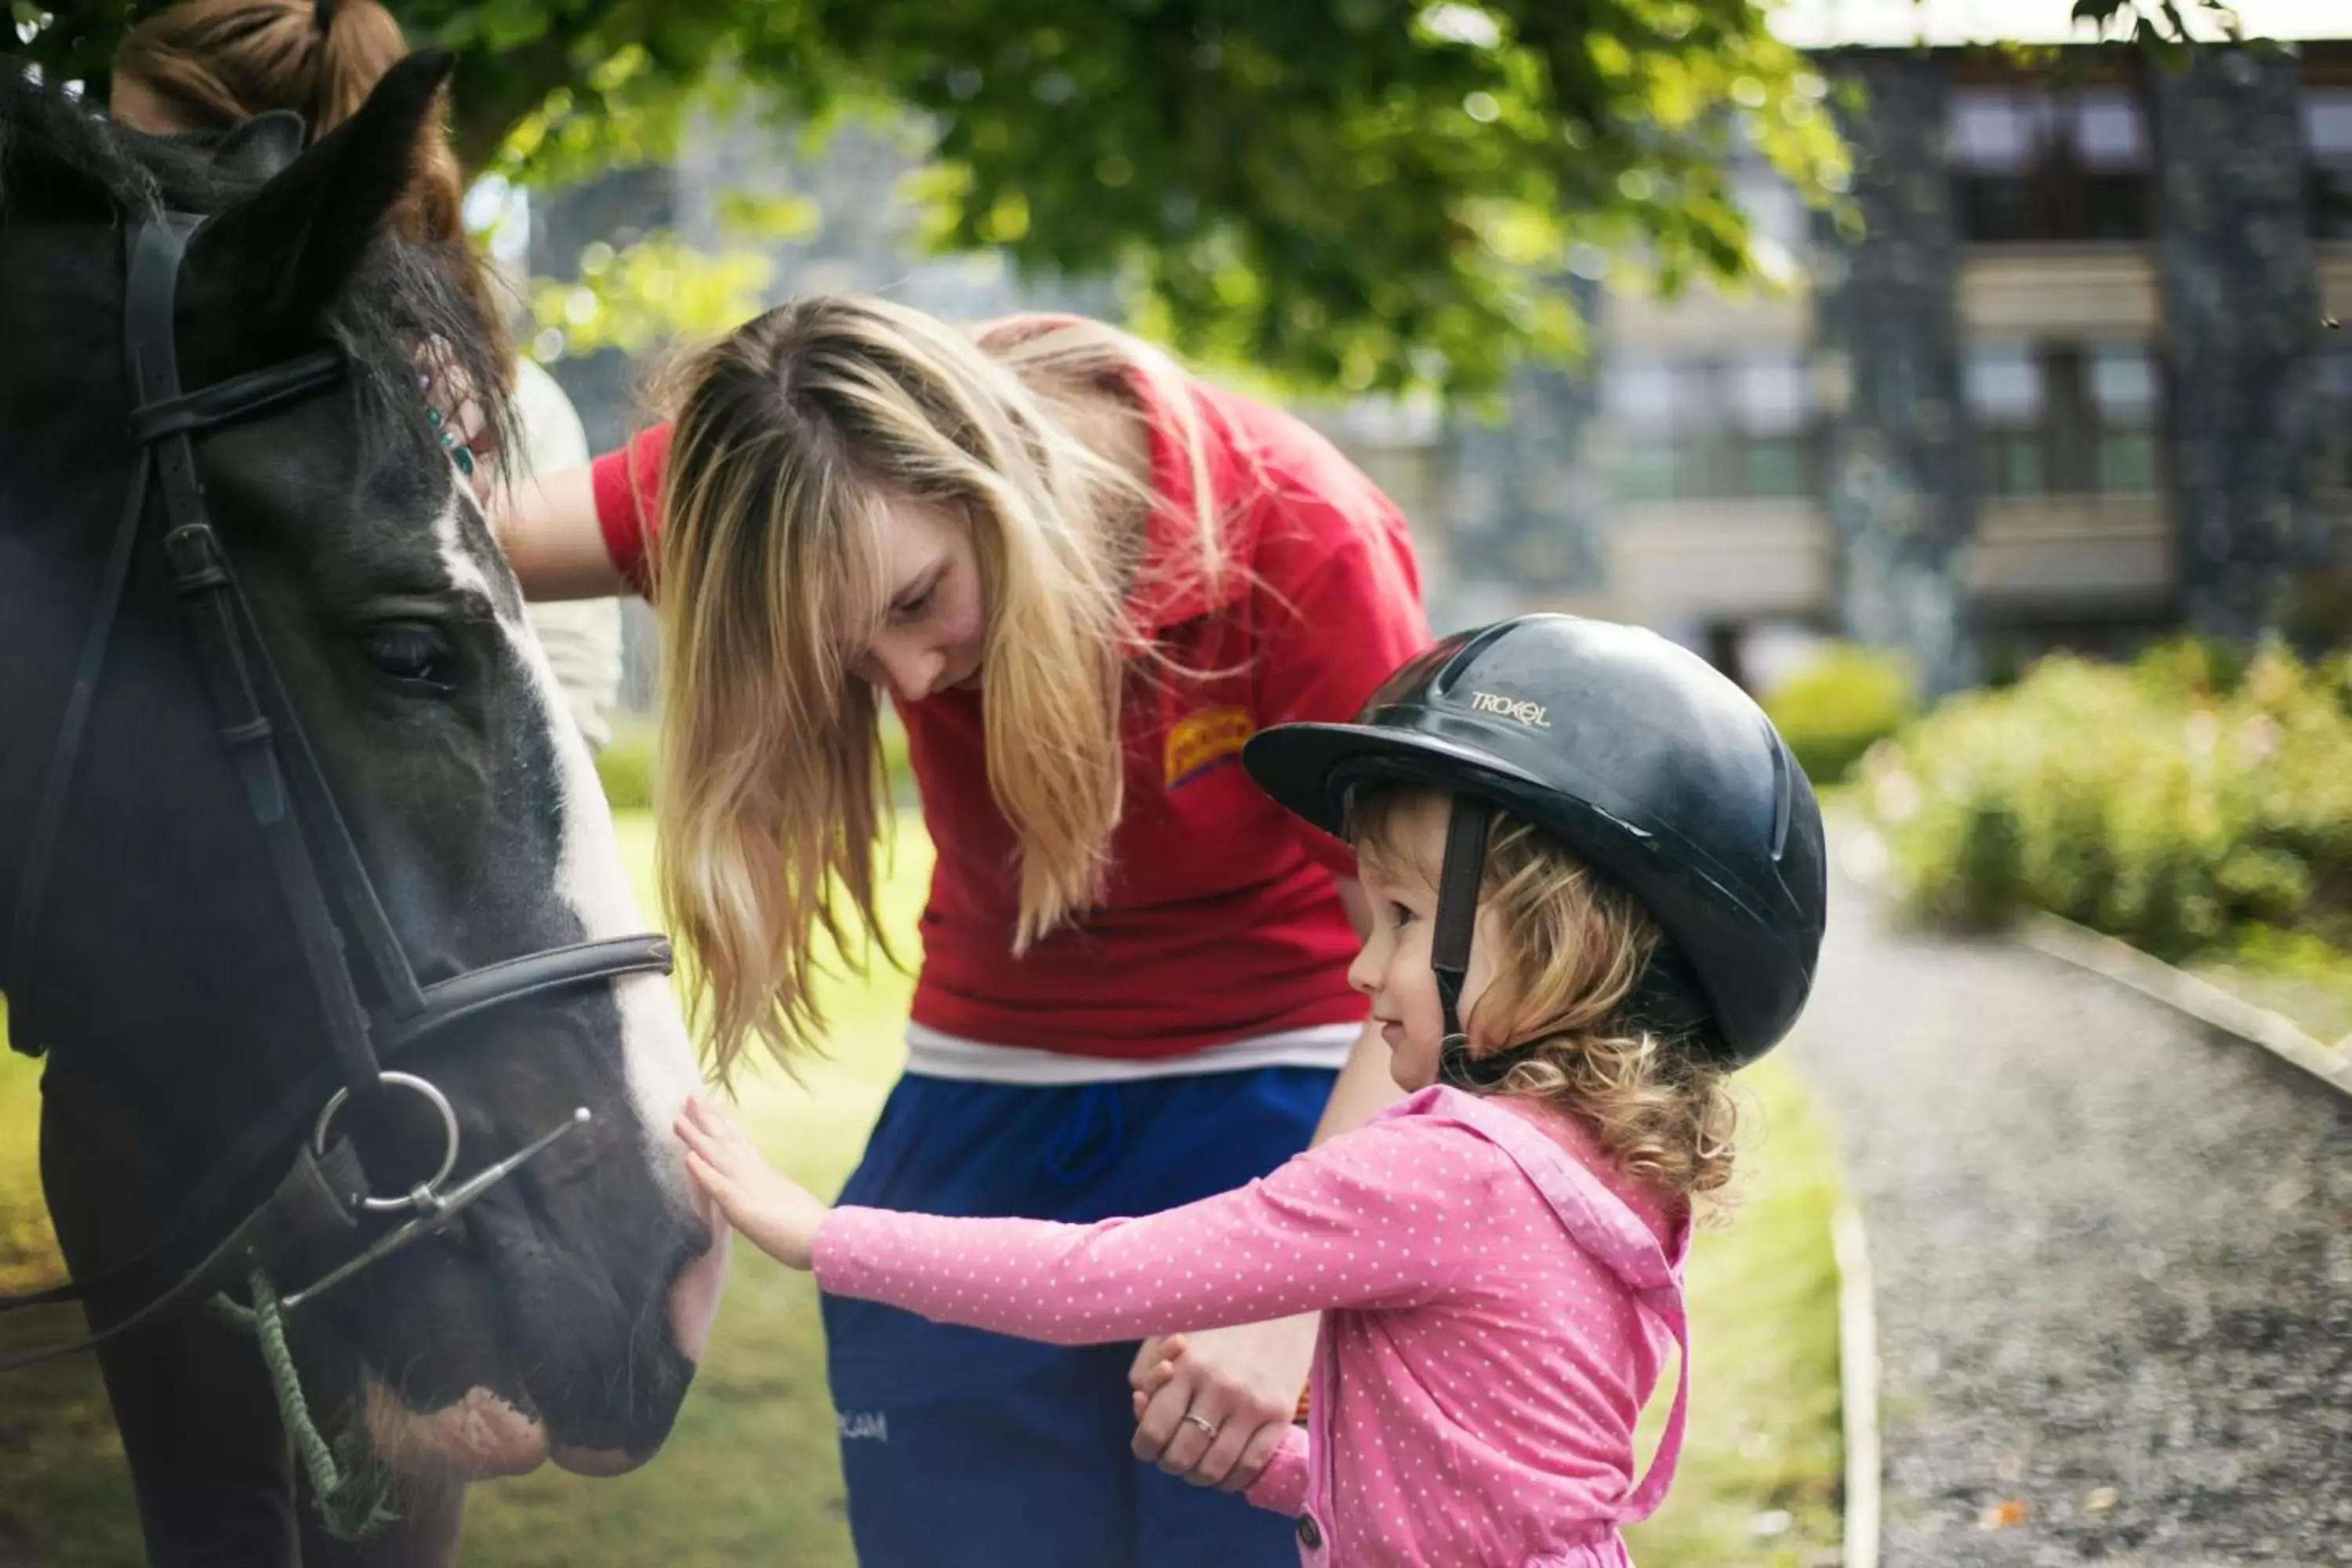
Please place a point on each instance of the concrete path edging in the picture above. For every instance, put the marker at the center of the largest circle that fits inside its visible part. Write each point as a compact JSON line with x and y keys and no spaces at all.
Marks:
{"x":2185,"y":993}
{"x":1861,"y":855}
{"x":1857,"y":1386}
{"x":1857,"y":1345}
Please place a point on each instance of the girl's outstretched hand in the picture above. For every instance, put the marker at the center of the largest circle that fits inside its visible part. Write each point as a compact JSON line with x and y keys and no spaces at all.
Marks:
{"x":776,"y":1213}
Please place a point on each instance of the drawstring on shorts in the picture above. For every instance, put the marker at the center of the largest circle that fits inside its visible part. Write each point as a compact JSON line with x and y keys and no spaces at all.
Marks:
{"x":1090,"y":1139}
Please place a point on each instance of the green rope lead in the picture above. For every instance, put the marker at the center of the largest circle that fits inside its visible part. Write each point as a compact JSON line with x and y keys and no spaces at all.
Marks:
{"x":352,"y":1496}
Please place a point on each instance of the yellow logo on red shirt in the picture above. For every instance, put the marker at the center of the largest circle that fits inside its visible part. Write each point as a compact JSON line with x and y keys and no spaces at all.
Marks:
{"x":1199,"y":741}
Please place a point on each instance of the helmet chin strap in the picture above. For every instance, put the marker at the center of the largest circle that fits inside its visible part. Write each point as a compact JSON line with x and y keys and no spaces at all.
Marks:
{"x":1449,"y":945}
{"x":1666,"y":1001}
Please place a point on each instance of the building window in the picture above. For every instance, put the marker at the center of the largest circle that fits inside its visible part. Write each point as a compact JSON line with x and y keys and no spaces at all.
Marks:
{"x":1767,"y":444}
{"x":1774,"y":210}
{"x":2122,"y":384}
{"x":2064,"y":419}
{"x":2031,"y":165}
{"x":1653,"y":403}
{"x":2004,"y":386}
{"x":2338,"y":371}
{"x":2327,"y":138}
{"x":1734,"y":429}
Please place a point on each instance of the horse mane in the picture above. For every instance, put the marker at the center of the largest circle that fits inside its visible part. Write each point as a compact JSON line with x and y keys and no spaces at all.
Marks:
{"x":46,"y":129}
{"x":402,"y":295}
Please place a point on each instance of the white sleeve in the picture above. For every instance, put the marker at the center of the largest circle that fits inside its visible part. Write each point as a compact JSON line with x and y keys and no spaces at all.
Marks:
{"x":582,"y":637}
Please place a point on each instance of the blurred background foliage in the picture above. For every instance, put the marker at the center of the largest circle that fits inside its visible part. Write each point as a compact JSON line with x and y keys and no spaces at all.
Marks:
{"x":1365,"y":194}
{"x":2196,"y":803}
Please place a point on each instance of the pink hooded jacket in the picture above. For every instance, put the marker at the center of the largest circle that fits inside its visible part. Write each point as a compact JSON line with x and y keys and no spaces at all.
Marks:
{"x":1494,"y":1315}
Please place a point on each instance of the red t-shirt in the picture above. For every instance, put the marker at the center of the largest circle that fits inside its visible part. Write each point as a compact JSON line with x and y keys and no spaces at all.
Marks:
{"x":1219,"y":922}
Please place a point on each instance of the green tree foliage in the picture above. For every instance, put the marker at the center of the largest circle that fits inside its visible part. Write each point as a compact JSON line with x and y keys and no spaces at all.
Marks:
{"x":1361,"y":193}
{"x":634,"y":299}
{"x":2159,"y":24}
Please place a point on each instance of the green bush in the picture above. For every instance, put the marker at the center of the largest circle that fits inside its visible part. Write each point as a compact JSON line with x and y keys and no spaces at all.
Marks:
{"x":1836,"y":708}
{"x":2176,"y":802}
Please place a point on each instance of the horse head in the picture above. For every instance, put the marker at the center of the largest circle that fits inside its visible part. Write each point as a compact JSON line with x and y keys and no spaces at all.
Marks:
{"x":559,"y":1316}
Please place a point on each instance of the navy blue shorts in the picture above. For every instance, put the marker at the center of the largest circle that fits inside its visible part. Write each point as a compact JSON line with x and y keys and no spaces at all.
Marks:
{"x":972,"y":1448}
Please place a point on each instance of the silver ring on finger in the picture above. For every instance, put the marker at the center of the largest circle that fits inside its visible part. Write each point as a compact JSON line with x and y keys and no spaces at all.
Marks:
{"x":1203,"y":1425}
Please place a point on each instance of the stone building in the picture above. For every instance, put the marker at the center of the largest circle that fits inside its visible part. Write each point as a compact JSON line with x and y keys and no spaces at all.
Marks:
{"x":2070,"y":386}
{"x":2073,"y":386}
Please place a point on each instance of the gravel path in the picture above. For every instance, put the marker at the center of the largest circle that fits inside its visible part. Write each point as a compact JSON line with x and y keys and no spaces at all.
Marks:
{"x":2114,"y":1260}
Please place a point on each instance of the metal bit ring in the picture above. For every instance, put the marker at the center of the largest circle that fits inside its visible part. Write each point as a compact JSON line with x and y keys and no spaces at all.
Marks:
{"x":424,"y":1193}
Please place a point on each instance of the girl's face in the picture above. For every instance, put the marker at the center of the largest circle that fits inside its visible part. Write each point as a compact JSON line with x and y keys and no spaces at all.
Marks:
{"x":934,"y":628}
{"x":1400,"y":878}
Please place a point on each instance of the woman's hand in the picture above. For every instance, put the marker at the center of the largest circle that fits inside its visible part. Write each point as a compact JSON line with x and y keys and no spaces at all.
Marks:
{"x":776,"y":1213}
{"x":457,"y":417}
{"x":1213,"y":1407}
{"x":545,"y":522}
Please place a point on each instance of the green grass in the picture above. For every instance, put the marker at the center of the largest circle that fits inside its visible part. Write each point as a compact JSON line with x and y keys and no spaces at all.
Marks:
{"x":1764,"y":1432}
{"x":752,"y":1474}
{"x":65,"y":1499}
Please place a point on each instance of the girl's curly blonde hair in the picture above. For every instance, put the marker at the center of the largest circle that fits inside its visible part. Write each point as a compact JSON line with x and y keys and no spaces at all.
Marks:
{"x":1572,"y":946}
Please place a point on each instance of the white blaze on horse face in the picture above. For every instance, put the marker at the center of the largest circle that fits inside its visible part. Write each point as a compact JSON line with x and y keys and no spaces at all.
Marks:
{"x":593,"y":882}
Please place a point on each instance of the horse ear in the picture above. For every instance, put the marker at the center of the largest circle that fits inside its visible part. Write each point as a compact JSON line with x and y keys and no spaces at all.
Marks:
{"x":278,"y":257}
{"x":261,"y":148}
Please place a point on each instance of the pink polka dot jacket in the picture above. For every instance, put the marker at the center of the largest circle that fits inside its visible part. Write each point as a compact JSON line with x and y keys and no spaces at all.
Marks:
{"x":1497,"y":1309}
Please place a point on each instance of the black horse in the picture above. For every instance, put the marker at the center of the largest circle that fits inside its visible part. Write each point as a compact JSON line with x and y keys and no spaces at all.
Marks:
{"x":560,"y":1314}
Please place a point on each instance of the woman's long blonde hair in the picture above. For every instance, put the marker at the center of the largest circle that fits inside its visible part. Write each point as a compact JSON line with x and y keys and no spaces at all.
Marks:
{"x":792,"y":438}
{"x":1573,"y":945}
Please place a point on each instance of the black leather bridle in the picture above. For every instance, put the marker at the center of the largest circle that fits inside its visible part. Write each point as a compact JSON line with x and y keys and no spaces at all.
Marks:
{"x":325,"y":1195}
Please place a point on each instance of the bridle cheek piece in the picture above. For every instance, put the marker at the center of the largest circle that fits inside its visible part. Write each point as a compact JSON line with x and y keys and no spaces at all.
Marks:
{"x":325,"y":1196}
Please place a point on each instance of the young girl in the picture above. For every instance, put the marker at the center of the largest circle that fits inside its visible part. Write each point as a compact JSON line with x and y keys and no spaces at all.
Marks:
{"x":1601,"y":887}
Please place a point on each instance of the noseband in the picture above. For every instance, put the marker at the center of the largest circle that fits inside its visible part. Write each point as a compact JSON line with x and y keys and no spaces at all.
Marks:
{"x":325,"y":1196}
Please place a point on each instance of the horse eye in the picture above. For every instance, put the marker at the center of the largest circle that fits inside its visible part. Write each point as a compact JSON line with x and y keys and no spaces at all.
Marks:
{"x":410,"y":653}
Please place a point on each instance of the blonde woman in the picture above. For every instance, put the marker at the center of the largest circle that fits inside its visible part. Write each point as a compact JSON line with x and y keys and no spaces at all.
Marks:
{"x":1084,"y":580}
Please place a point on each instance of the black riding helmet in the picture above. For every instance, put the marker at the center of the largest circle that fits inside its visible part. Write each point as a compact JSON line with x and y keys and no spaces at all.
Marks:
{"x":1641,"y":758}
